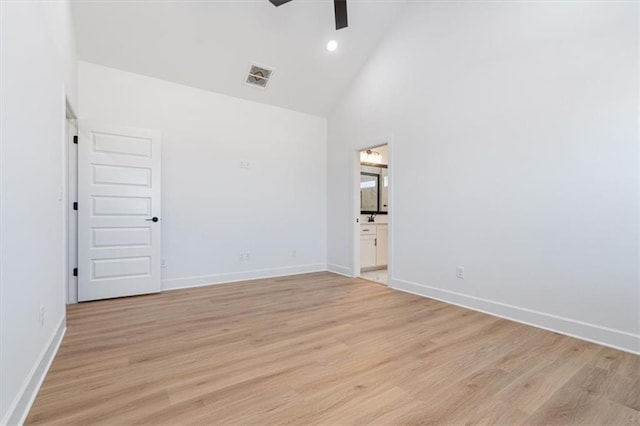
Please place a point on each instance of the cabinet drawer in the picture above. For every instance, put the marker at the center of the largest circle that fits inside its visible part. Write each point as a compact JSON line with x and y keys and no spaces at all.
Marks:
{"x":367,"y":229}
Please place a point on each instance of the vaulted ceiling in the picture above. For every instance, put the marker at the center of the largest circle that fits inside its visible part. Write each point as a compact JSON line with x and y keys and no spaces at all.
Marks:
{"x":210,"y":44}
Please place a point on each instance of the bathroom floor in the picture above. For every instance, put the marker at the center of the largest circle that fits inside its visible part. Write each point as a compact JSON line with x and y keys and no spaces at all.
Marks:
{"x":378,"y":276}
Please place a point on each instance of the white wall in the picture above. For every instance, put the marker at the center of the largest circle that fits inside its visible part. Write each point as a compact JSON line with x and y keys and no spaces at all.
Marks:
{"x":211,"y":208}
{"x":514,"y":154}
{"x":37,"y":70}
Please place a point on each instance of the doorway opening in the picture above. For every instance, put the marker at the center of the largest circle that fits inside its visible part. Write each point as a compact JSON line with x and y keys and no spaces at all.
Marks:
{"x":373,"y":206}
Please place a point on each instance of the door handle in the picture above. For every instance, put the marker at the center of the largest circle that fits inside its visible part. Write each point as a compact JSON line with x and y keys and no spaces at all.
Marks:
{"x":153,"y":219}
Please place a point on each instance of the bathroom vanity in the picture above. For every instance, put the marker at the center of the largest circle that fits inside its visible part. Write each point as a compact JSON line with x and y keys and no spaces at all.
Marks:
{"x":374,"y":239}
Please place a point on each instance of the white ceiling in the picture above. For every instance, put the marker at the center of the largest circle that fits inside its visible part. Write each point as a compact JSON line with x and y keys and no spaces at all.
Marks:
{"x":209,"y":44}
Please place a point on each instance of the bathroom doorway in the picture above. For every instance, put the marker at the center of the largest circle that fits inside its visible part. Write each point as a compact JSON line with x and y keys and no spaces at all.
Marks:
{"x":373,"y":208}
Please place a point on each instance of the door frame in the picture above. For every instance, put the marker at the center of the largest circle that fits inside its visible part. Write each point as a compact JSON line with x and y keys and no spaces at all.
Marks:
{"x":69,"y":218}
{"x":355,"y":205}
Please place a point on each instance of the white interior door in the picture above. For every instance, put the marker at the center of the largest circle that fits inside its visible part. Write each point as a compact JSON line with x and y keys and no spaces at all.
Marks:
{"x":118,"y":211}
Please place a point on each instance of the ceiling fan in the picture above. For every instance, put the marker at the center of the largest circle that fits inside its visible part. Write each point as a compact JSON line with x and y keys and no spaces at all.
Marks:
{"x":340,"y":7}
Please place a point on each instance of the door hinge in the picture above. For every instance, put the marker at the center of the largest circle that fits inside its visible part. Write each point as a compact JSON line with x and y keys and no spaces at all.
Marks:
{"x":75,"y":205}
{"x":375,"y":242}
{"x":75,"y":272}
{"x":75,"y":139}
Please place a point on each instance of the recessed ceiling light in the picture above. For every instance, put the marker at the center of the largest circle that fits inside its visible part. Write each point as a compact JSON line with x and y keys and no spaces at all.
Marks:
{"x":332,"y":45}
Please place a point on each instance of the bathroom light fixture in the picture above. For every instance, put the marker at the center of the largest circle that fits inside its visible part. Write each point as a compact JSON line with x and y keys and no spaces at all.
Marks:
{"x":370,"y":156}
{"x":332,"y":45}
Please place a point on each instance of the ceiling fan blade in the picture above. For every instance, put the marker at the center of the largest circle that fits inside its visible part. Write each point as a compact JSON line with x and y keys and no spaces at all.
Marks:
{"x":340,"y":7}
{"x":277,"y":3}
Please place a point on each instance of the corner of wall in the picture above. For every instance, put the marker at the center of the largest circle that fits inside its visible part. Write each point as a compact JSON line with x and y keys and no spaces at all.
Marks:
{"x":19,"y":409}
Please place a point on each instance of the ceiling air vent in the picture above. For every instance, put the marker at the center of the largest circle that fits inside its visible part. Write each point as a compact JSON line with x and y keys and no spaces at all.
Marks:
{"x":258,"y":76}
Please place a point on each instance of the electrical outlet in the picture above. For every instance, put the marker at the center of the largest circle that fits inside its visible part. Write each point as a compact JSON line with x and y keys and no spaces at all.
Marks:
{"x":163,"y":263}
{"x":294,"y":253}
{"x":460,"y":272}
{"x":41,"y":316}
{"x":244,"y":257}
{"x":244,"y":164}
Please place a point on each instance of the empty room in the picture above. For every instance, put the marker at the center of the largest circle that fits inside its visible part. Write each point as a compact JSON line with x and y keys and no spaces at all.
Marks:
{"x":331,"y":212}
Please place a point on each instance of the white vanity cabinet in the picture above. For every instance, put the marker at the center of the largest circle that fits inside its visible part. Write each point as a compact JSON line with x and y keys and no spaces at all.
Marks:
{"x":373,"y":245}
{"x":368,"y":247}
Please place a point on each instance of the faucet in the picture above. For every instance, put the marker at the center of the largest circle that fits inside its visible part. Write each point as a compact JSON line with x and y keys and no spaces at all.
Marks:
{"x":372,"y":218}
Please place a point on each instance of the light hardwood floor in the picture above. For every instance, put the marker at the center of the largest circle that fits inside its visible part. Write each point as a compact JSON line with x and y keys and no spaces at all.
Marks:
{"x":321,"y":348}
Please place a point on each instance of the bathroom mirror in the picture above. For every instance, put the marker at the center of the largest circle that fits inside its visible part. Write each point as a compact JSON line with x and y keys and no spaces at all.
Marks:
{"x":374,"y":189}
{"x":369,"y":194}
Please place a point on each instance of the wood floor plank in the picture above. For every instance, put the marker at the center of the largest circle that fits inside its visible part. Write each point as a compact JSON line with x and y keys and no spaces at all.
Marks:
{"x":323,"y":349}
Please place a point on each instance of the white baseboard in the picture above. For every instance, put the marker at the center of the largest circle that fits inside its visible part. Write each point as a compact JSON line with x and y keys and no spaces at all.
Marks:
{"x":590,"y":332}
{"x":340,"y":270}
{"x":204,"y":280}
{"x":17,"y":413}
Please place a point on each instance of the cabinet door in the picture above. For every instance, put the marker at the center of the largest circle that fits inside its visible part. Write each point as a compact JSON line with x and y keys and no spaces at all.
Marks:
{"x":367,"y":251}
{"x":382,"y":245}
